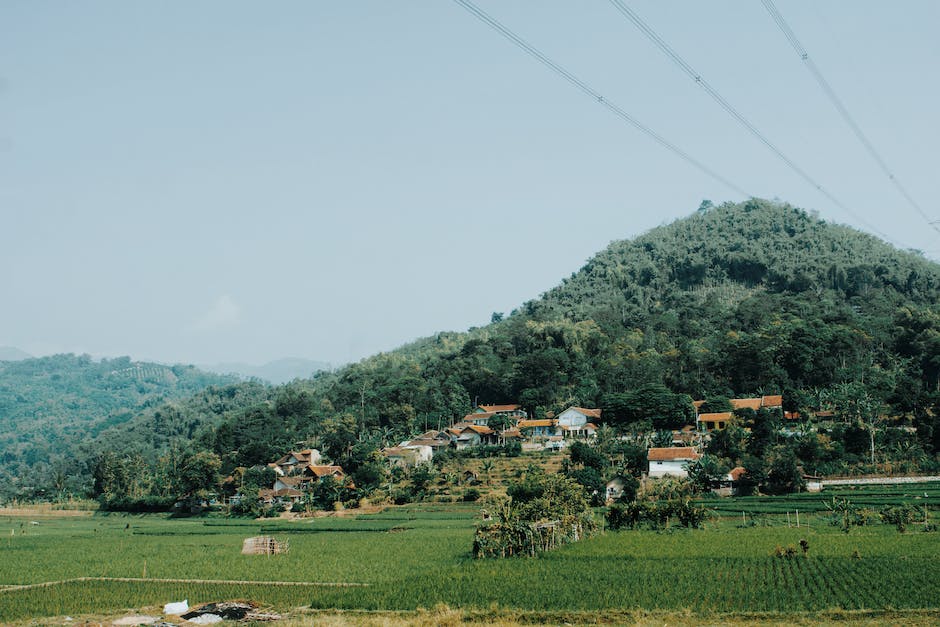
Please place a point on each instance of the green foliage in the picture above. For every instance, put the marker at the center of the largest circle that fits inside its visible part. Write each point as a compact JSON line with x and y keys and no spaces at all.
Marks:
{"x":656,"y":403}
{"x":655,"y":514}
{"x":583,"y":454}
{"x":899,"y":515}
{"x":539,"y":514}
{"x":427,"y":564}
{"x":54,"y":412}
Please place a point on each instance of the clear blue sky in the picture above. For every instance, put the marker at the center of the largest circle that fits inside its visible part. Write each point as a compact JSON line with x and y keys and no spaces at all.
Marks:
{"x":212,"y":181}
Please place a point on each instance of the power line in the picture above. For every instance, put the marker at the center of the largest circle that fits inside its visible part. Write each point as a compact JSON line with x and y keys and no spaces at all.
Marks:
{"x":594,"y":94}
{"x":734,"y":113}
{"x":841,"y":109}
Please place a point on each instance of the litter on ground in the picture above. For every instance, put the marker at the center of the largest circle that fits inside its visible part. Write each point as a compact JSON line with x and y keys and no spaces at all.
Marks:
{"x":138,"y":619}
{"x":177,"y":607}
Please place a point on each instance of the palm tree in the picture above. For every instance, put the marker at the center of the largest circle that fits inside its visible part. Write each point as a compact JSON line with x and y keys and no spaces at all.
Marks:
{"x":487,"y":467}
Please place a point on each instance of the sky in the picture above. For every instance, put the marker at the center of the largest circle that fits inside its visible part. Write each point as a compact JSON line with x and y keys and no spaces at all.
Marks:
{"x":235,"y":181}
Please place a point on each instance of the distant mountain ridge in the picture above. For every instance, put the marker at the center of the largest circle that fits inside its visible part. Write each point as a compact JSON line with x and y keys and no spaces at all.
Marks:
{"x":278,"y":371}
{"x":11,"y":353}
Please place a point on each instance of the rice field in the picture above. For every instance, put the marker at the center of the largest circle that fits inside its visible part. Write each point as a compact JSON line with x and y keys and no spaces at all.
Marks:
{"x":419,"y":556}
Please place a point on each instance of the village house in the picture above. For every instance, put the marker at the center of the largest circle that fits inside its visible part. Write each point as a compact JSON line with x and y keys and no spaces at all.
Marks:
{"x":614,"y":489}
{"x":408,"y":454}
{"x":295,"y":462}
{"x":542,"y":427}
{"x":673,"y":461}
{"x":714,"y":421}
{"x":575,"y":422}
{"x":296,"y":476}
{"x":512,"y":411}
{"x":468,"y":435}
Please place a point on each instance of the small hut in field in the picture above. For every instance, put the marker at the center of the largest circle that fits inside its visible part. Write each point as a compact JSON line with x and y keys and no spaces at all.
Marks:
{"x":263,"y":545}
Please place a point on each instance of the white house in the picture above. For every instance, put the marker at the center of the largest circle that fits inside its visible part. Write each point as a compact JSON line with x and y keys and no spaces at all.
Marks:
{"x":422,"y":452}
{"x":575,"y":422}
{"x":672,"y":461}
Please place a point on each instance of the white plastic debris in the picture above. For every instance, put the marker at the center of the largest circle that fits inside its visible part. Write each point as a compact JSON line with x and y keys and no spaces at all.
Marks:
{"x":136,"y":620}
{"x":206,"y":619}
{"x":176,"y":608}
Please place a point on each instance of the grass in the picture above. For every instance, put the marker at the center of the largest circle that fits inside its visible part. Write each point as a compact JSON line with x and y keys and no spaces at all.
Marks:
{"x":419,"y":557}
{"x":865,"y":496}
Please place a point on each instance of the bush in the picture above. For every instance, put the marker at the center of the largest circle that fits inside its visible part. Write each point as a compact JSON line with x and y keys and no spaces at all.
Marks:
{"x":900,"y":516}
{"x":471,"y":494}
{"x":401,"y":497}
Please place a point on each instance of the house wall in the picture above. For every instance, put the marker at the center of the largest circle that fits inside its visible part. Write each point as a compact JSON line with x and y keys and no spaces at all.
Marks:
{"x":422,"y":453}
{"x":673,"y":467}
{"x":571,"y":418}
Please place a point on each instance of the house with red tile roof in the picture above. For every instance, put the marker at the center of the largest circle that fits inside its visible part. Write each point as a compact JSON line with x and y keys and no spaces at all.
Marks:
{"x":672,"y":461}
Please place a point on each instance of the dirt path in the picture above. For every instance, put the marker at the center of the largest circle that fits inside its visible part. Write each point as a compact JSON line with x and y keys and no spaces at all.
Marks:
{"x":321,"y":584}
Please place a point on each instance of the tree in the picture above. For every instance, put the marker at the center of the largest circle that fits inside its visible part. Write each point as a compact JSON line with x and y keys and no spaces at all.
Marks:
{"x":706,"y":473}
{"x":783,"y":473}
{"x":198,"y":475}
{"x":665,"y":409}
{"x":586,"y":455}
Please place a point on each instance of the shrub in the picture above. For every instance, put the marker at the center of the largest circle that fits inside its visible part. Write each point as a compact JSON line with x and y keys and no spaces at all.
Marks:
{"x":471,"y":494}
{"x":899,"y":515}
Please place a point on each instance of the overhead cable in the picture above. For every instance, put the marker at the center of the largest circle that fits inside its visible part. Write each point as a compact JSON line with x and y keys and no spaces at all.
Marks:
{"x":841,"y":109}
{"x":681,"y":63}
{"x":594,"y":94}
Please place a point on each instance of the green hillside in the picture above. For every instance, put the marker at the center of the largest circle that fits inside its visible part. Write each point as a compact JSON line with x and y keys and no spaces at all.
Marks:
{"x":51,"y":407}
{"x":734,"y":300}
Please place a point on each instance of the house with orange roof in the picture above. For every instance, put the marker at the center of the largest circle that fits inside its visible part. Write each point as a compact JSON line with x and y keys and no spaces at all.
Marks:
{"x":673,"y":461}
{"x":469,"y":436}
{"x":295,"y":462}
{"x":714,"y":421}
{"x":539,"y":428}
{"x":513,"y":411}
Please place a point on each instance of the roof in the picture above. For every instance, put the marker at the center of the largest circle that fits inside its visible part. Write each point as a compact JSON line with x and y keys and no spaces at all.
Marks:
{"x":673,"y":453}
{"x":480,"y":429}
{"x":544,"y":422}
{"x":431,"y":443}
{"x":746,"y":403}
{"x":323,"y":471}
{"x":736,"y":473}
{"x":292,"y":481}
{"x":478,"y":415}
{"x":496,"y":408}
{"x":395,"y":451}
{"x":592,"y":413}
{"x":722,"y":416}
{"x":585,"y":427}
{"x":511,"y":433}
{"x":698,"y":404}
{"x":792,"y":415}
{"x":772,"y":401}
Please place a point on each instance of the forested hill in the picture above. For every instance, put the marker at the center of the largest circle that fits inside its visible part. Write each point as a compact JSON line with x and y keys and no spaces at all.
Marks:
{"x":51,"y":406}
{"x":732,"y":301}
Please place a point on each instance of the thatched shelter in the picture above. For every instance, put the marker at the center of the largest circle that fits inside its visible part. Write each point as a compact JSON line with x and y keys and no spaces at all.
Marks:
{"x":263,"y":545}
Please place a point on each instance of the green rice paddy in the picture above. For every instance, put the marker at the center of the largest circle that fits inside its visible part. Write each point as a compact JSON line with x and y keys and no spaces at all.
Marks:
{"x":419,"y":556}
